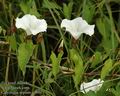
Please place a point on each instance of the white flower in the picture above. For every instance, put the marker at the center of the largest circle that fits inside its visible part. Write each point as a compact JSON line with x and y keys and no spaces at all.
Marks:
{"x":77,"y":26}
{"x":31,"y":24}
{"x":61,"y":44}
{"x":94,"y":85}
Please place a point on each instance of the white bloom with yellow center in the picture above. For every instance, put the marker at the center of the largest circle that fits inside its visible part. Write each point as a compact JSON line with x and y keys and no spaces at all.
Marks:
{"x":94,"y":85}
{"x":31,"y":24}
{"x":77,"y":26}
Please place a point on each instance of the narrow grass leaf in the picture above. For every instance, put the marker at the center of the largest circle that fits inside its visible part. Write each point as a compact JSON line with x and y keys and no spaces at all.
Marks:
{"x":101,"y":27}
{"x":106,"y":68}
{"x":88,"y":10}
{"x":109,"y":41}
{"x":116,"y":90}
{"x":49,"y":4}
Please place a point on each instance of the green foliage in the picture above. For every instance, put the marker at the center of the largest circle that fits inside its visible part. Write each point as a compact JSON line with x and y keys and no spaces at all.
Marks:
{"x":1,"y":29}
{"x":106,"y":68}
{"x":88,"y":10}
{"x":103,"y":25}
{"x":79,"y":69}
{"x":7,"y":88}
{"x":12,"y":41}
{"x":25,"y":51}
{"x":104,"y":90}
{"x":90,"y":93}
{"x":67,"y":9}
{"x":96,"y":59}
{"x":29,"y":7}
{"x":116,"y":91}
{"x":49,"y":4}
{"x":56,"y":62}
{"x":100,"y":61}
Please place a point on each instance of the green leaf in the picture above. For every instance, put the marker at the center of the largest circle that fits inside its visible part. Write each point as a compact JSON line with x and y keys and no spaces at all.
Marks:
{"x":50,"y":5}
{"x":60,"y":57}
{"x":24,"y":8}
{"x":29,"y":7}
{"x":96,"y":59}
{"x":107,"y":44}
{"x":90,"y":93}
{"x":88,"y":10}
{"x":49,"y":80}
{"x":101,"y":27}
{"x":12,"y":41}
{"x":106,"y":68}
{"x":116,"y":91}
{"x":77,"y":60}
{"x":25,"y":51}
{"x":103,"y":90}
{"x":7,"y":87}
{"x":67,"y":10}
{"x":1,"y":29}
{"x":55,"y":66}
{"x":109,"y":40}
{"x":56,"y":62}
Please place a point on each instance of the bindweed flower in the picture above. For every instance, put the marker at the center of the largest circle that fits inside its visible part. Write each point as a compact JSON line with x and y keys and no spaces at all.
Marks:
{"x":77,"y":26}
{"x":31,"y":24}
{"x":60,"y":48}
{"x":61,"y":44}
{"x":94,"y":85}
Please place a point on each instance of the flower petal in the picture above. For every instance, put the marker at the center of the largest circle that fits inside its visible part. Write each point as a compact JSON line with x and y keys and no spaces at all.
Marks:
{"x":38,"y":26}
{"x":23,"y":23}
{"x":94,"y":85}
{"x":31,"y":24}
{"x":70,"y":27}
{"x":77,"y":26}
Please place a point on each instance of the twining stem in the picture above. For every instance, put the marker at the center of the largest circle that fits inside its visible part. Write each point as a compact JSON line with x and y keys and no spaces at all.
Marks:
{"x":33,"y":80}
{"x":8,"y":64}
{"x":34,"y":68}
{"x":59,"y":29}
{"x":43,"y":51}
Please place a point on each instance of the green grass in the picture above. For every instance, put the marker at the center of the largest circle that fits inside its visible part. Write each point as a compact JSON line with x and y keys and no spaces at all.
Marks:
{"x":49,"y":72}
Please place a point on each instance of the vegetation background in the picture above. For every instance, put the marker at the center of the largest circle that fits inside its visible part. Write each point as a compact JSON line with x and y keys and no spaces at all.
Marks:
{"x":36,"y":65}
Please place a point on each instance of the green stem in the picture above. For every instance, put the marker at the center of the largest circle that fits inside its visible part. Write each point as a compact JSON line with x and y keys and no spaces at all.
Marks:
{"x":4,"y":10}
{"x":43,"y":51}
{"x":34,"y":69}
{"x":77,"y":92}
{"x":7,"y":67}
{"x":33,"y":80}
{"x":59,"y":29}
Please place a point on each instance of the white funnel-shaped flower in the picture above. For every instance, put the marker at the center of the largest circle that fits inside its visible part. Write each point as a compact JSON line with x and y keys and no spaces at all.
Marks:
{"x":94,"y":85}
{"x":31,"y":24}
{"x":77,"y":26}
